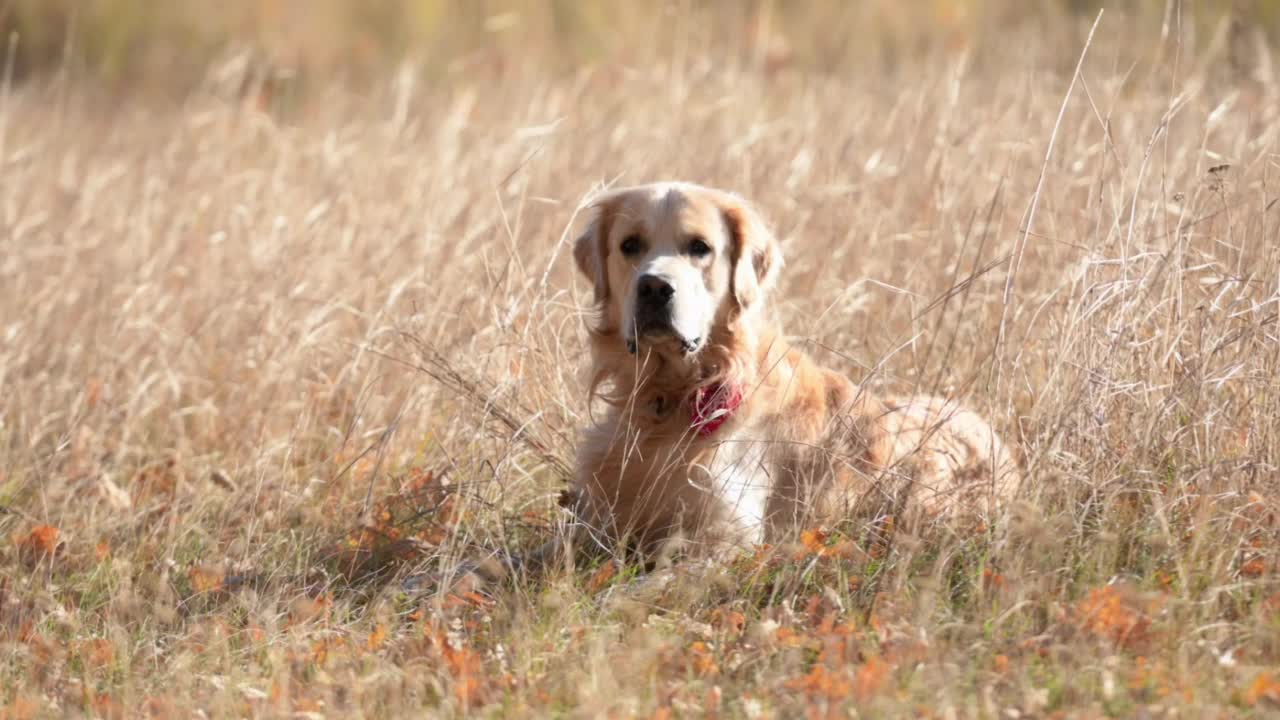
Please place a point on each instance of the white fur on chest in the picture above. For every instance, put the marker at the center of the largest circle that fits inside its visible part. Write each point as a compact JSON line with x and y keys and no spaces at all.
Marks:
{"x":736,"y":486}
{"x":715,"y":492}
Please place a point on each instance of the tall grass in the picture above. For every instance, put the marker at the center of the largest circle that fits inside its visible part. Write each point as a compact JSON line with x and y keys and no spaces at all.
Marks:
{"x":305,"y":44}
{"x":259,"y":359}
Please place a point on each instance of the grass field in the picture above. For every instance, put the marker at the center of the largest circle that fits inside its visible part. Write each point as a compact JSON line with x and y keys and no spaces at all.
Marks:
{"x":272,"y":336}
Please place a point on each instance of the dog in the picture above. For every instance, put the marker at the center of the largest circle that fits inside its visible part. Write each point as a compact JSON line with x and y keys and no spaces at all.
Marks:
{"x":717,"y":433}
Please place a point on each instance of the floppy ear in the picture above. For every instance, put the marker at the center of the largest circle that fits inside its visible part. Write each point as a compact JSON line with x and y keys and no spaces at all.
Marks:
{"x":591,"y":250}
{"x":757,"y":257}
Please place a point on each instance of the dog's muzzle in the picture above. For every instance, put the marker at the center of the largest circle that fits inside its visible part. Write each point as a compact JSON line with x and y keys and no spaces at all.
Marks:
{"x":654,"y":314}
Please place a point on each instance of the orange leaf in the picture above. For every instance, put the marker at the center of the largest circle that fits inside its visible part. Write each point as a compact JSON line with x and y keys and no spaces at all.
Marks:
{"x":823,"y":682}
{"x":992,"y":580}
{"x":204,"y":579}
{"x":1254,"y":568}
{"x":702,"y":660}
{"x":1115,"y":613}
{"x":870,"y":677}
{"x":467,"y":672}
{"x":601,"y":577}
{"x":814,"y":540}
{"x":729,"y":621}
{"x":22,"y":708}
{"x":42,"y":541}
{"x":97,"y":652}
{"x":104,"y":705}
{"x":785,"y":634}
{"x":319,"y":651}
{"x":713,"y":699}
{"x":377,"y":637}
{"x":1264,"y":687}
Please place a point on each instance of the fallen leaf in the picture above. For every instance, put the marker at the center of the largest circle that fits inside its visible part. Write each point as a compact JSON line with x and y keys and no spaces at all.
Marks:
{"x":729,"y":621}
{"x":205,"y":579}
{"x":40,"y":543}
{"x":814,"y":540}
{"x":97,"y":652}
{"x":377,"y":637}
{"x":1255,"y":567}
{"x":870,"y":678}
{"x":1265,"y":687}
{"x":601,"y":577}
{"x":702,"y":660}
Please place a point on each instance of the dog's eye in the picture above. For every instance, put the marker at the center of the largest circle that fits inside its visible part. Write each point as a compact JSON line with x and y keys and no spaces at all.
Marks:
{"x":631,"y":245}
{"x":699,"y":247}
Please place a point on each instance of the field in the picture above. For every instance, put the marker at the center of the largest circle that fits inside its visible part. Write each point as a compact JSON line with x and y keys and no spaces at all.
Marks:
{"x":278,"y":328}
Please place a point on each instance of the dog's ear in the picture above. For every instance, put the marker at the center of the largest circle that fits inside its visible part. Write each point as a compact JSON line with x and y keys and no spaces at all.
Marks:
{"x":757,"y":256}
{"x":591,"y":250}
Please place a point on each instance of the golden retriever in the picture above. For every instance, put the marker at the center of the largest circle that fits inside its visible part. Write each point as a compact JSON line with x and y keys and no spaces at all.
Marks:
{"x":717,"y":433}
{"x":720,"y":432}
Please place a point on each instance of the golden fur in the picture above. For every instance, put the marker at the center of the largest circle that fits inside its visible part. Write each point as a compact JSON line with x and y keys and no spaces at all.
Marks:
{"x":805,"y":446}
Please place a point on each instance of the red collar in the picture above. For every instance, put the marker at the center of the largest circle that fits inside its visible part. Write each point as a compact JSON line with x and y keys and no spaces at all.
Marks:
{"x":712,"y":407}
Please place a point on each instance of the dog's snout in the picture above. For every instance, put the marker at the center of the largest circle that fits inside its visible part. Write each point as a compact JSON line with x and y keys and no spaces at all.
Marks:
{"x":653,"y":290}
{"x":654,"y":310}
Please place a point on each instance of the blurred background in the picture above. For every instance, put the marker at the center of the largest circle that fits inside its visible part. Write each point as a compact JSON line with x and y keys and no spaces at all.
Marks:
{"x":280,"y":51}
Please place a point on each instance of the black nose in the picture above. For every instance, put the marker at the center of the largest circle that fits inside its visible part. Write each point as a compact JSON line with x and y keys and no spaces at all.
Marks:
{"x":653,"y":290}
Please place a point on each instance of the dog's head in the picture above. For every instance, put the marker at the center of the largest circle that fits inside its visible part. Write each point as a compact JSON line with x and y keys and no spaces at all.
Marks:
{"x":673,"y":263}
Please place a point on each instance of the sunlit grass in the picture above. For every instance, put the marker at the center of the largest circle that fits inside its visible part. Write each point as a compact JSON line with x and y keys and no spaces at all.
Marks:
{"x":260,"y":359}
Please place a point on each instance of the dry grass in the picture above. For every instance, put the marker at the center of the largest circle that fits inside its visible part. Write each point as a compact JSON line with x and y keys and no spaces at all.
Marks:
{"x":257,"y":363}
